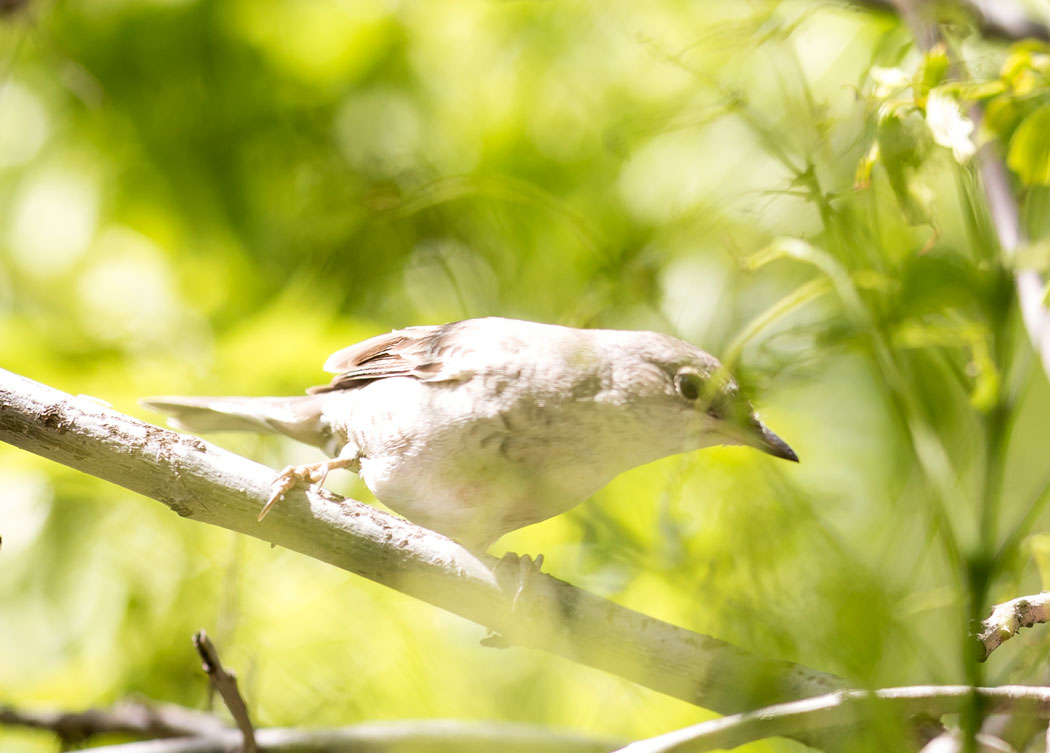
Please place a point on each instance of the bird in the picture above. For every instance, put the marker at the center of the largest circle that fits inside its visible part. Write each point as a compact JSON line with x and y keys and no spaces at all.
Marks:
{"x":480,"y":427}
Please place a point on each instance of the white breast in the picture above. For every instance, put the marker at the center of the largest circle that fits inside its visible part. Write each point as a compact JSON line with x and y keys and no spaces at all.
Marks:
{"x":472,"y":459}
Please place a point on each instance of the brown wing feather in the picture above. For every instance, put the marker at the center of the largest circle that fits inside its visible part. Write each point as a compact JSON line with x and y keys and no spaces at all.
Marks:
{"x":413,"y":351}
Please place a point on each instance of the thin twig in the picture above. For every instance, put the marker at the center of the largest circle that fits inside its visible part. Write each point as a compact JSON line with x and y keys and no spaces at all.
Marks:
{"x":839,"y":709}
{"x":1008,"y":619}
{"x":226,"y":683}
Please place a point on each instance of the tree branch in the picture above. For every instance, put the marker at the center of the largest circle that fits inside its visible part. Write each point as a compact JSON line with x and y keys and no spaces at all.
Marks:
{"x":842,"y":708}
{"x":205,"y":483}
{"x":128,"y":717}
{"x":1007,"y":620}
{"x":226,"y":683}
{"x":376,"y":737}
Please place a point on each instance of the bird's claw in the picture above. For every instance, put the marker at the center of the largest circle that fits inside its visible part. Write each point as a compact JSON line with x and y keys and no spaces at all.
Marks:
{"x":292,"y":476}
{"x":525,"y":566}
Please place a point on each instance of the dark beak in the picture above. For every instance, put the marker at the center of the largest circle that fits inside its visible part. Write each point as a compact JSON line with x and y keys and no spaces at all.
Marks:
{"x":748,"y":430}
{"x":770,"y":443}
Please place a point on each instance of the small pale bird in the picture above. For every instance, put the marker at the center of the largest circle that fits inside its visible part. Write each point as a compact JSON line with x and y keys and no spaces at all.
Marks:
{"x":480,"y":427}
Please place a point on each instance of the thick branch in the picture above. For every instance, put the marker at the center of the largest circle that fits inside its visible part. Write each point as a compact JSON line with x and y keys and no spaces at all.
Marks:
{"x":840,"y":709}
{"x":1007,"y":620}
{"x":205,"y":483}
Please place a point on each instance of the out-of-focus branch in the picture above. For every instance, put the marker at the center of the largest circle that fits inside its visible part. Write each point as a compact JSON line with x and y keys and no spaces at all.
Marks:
{"x":1005,"y":20}
{"x":840,"y":709}
{"x":205,"y":483}
{"x":127,"y":717}
{"x":395,"y":737}
{"x":226,"y":683}
{"x":1002,"y":205}
{"x":1007,"y":620}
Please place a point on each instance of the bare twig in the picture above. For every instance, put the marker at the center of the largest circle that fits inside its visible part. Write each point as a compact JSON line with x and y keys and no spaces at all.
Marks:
{"x":226,"y":683}
{"x":203,"y":482}
{"x":1007,"y":620}
{"x":845,"y":707}
{"x":150,"y":720}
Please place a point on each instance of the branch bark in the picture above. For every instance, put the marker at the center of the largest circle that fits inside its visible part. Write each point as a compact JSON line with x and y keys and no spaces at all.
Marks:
{"x":1007,"y":620}
{"x":205,"y":483}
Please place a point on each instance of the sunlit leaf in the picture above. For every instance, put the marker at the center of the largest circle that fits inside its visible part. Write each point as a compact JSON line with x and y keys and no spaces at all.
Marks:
{"x":933,"y":71}
{"x":1001,"y":115}
{"x":1021,"y":57}
{"x":1029,"y":154}
{"x":979,"y":90}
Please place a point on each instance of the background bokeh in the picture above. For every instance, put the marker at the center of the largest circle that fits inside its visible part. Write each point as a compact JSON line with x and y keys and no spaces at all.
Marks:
{"x":209,"y":197}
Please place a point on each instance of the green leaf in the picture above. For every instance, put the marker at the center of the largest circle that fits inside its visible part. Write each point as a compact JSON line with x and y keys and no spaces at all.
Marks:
{"x":1029,"y":154}
{"x":1026,"y":67}
{"x":1023,"y":57}
{"x":1001,"y":115}
{"x":933,"y":71}
{"x":978,"y":90}
{"x":901,"y":139}
{"x":902,"y":144}
{"x":923,"y":334}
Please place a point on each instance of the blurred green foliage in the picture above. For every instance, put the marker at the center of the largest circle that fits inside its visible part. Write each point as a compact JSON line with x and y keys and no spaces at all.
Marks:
{"x":210,"y":197}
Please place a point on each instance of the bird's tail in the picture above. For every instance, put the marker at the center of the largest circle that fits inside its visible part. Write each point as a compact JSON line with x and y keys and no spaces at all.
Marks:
{"x":299,"y":417}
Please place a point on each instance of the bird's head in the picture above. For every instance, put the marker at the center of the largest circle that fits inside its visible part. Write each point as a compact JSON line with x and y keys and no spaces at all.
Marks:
{"x":690,"y":395}
{"x":727,"y":414}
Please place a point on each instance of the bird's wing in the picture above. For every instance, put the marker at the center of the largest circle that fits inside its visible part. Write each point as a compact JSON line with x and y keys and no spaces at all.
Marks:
{"x":427,"y":353}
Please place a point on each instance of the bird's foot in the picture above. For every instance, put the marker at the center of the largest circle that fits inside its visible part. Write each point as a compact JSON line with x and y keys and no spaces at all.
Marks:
{"x":526,"y":567}
{"x":292,"y":476}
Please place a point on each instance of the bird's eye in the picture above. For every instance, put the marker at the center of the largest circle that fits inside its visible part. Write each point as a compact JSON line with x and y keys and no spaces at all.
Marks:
{"x":688,"y":384}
